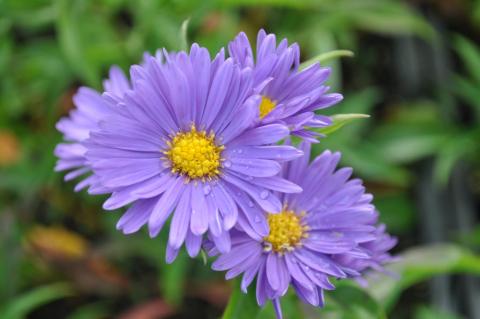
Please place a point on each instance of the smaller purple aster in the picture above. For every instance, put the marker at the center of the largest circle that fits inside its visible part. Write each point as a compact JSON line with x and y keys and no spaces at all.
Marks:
{"x":378,"y":250}
{"x":289,"y":96}
{"x":90,"y":109}
{"x":328,"y":230}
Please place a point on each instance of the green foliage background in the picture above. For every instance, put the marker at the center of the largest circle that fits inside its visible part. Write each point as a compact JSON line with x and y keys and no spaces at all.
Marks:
{"x":416,"y":70}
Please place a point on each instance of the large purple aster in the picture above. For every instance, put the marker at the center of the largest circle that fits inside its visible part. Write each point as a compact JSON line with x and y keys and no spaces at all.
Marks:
{"x":76,"y":128}
{"x":328,"y":230}
{"x":289,"y":96}
{"x":182,"y":143}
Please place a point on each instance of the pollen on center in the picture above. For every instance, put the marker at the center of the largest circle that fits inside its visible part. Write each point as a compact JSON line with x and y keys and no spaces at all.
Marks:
{"x":194,"y":154}
{"x":266,"y":106}
{"x":286,"y":231}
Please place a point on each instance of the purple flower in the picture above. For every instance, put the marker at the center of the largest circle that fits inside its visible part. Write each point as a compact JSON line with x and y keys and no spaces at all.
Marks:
{"x":90,"y":109}
{"x":378,"y":250}
{"x":289,"y":96}
{"x":182,"y":143}
{"x":328,"y":230}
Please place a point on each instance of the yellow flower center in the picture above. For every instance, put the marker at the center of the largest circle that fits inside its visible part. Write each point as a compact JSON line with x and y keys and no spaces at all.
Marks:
{"x":286,"y":231}
{"x":266,"y":106}
{"x":194,"y":154}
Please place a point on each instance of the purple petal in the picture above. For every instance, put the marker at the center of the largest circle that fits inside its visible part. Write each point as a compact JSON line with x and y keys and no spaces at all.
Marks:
{"x":319,"y":262}
{"x":199,"y":219}
{"x":254,"y":167}
{"x":236,"y":256}
{"x":136,"y":216}
{"x":278,"y":308}
{"x":164,"y":207}
{"x":226,"y":205}
{"x":267,"y":134}
{"x":277,"y":183}
{"x":250,"y":274}
{"x":193,"y":244}
{"x":277,"y":273}
{"x":276,"y":152}
{"x":180,"y":220}
{"x":297,"y":273}
{"x":263,"y":197}
{"x":222,"y":242}
{"x":171,"y":254}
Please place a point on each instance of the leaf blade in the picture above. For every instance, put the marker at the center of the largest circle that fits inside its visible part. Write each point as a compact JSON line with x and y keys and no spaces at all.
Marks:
{"x":326,"y":57}
{"x":339,"y":120}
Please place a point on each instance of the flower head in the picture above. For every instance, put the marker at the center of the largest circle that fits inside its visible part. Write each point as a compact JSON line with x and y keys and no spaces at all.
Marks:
{"x":328,"y":230}
{"x":182,"y":142}
{"x":289,"y":95}
{"x":90,"y":109}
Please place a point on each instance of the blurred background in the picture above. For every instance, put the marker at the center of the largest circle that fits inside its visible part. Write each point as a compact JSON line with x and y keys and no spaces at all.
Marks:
{"x":416,"y":70}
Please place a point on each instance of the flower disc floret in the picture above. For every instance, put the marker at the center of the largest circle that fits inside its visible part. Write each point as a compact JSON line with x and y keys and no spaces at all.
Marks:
{"x":266,"y":106}
{"x":286,"y":231}
{"x":195,"y":154}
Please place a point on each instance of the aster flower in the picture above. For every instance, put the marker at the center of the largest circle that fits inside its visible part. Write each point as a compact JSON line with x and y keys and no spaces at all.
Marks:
{"x":289,"y":96}
{"x":378,"y":250}
{"x":181,"y":143}
{"x":328,"y":230}
{"x":76,"y":128}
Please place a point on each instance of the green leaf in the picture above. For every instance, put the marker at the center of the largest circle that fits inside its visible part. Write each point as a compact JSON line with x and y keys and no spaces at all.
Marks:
{"x":325,"y":57}
{"x":89,"y":311}
{"x":430,"y":313}
{"x":184,"y":35}
{"x":470,"y":55}
{"x":468,"y":91}
{"x":393,"y":18}
{"x":70,"y":43}
{"x":453,"y":150}
{"x":397,"y":210}
{"x":281,"y":3}
{"x":22,"y":305}
{"x":240,"y":305}
{"x":405,"y":143}
{"x":365,"y":158}
{"x":173,"y":279}
{"x":321,"y":39}
{"x":470,"y":238}
{"x":339,"y":120}
{"x":420,"y":264}
{"x":360,"y":101}
{"x":349,"y":301}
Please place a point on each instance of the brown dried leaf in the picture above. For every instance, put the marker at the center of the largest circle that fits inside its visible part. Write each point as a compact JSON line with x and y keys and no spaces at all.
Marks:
{"x":216,"y":293}
{"x":57,"y":243}
{"x":9,"y":149}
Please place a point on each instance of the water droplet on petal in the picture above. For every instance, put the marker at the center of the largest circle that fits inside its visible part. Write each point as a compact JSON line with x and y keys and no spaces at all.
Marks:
{"x":264,"y":194}
{"x":227,"y":164}
{"x":240,"y":151}
{"x":207,"y":189}
{"x":250,"y":203}
{"x":257,"y":219}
